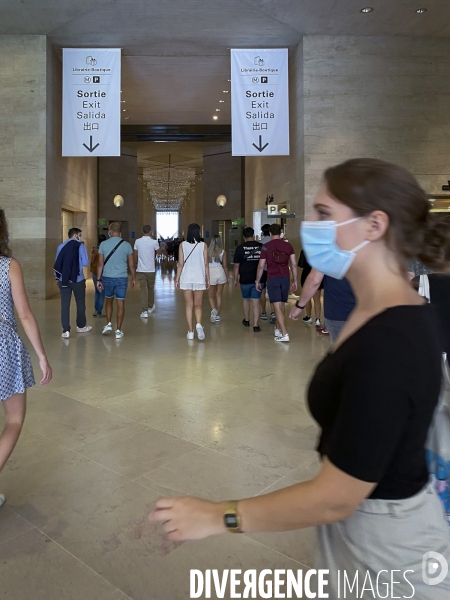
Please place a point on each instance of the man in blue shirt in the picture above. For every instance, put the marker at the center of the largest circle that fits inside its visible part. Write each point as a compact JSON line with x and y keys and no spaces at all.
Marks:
{"x":71,"y":257}
{"x":339,"y":301}
{"x":115,"y":257}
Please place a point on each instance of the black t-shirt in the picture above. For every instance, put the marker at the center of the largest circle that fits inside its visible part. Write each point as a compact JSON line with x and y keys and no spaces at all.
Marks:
{"x":374,"y":399}
{"x":248,"y":255}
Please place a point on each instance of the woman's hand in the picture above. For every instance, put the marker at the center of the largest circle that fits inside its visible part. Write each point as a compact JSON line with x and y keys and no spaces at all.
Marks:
{"x":177,"y":284}
{"x":208,"y":285}
{"x":46,"y":371}
{"x":295,"y":313}
{"x":189,"y":518}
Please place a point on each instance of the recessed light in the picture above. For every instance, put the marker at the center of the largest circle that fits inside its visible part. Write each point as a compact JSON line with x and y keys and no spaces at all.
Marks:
{"x":122,"y":101}
{"x":217,"y":109}
{"x":126,"y":118}
{"x":420,"y":11}
{"x":124,"y":110}
{"x":225,"y":91}
{"x":368,"y":9}
{"x":215,"y":117}
{"x":221,"y":101}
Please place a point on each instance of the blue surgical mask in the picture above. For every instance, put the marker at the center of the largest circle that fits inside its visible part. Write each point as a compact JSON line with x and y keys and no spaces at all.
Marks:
{"x":321,"y":250}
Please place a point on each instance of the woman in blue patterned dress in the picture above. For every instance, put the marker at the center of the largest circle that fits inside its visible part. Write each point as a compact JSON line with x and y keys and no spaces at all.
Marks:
{"x":16,"y":372}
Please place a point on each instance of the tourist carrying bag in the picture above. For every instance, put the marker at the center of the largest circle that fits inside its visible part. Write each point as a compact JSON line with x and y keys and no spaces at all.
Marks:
{"x":112,"y":252}
{"x":438,"y":442}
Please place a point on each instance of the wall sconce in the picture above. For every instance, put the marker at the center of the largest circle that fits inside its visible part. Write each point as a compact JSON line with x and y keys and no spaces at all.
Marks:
{"x":221,"y":200}
{"x":118,"y":201}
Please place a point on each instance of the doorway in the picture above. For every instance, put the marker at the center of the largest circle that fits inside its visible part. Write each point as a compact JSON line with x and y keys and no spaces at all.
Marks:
{"x":167,"y":224}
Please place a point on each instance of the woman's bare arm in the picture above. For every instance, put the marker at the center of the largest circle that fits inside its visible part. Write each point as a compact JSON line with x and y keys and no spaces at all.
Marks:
{"x":27,"y":319}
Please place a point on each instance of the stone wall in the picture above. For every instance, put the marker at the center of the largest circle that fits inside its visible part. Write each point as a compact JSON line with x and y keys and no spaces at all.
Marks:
{"x":222,"y":174}
{"x":71,"y":182}
{"x":380,"y":97}
{"x":282,"y":176}
{"x":117,"y":175}
{"x":22,"y":152}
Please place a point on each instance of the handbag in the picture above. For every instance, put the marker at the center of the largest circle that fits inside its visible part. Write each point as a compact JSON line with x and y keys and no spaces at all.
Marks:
{"x":437,"y":447}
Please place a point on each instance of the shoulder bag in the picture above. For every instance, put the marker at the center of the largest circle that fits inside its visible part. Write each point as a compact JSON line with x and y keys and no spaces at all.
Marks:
{"x":437,"y":446}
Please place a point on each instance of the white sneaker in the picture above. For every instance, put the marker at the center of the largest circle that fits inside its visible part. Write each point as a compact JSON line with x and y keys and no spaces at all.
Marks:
{"x":213,"y":315}
{"x":200,"y":332}
{"x":107,"y":328}
{"x":2,"y":500}
{"x":152,"y":309}
{"x":144,"y":314}
{"x":84,"y":329}
{"x":218,"y":319}
{"x":190,"y":335}
{"x":318,"y":323}
{"x":293,"y":296}
{"x":66,"y":335}
{"x":119,"y":334}
{"x":282,"y":338}
{"x":277,"y":332}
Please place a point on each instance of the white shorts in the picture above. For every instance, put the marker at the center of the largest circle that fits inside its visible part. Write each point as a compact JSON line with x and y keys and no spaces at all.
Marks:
{"x":217,"y":275}
{"x":196,"y":287}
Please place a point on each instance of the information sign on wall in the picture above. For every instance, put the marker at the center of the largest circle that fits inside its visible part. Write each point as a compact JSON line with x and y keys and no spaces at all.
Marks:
{"x":259,"y":102}
{"x":91,"y":102}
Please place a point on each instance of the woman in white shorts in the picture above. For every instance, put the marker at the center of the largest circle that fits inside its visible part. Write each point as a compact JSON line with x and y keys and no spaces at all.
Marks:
{"x":193,"y":278}
{"x":218,"y":269}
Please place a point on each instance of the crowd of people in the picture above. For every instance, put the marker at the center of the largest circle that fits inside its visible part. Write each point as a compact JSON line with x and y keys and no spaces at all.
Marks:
{"x":373,"y":396}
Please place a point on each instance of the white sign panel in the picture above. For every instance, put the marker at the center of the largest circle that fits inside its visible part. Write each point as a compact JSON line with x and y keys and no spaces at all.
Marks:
{"x":91,"y":102}
{"x":259,"y":102}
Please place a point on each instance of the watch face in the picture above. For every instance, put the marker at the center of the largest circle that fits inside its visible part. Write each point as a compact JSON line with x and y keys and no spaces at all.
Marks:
{"x":231,"y":521}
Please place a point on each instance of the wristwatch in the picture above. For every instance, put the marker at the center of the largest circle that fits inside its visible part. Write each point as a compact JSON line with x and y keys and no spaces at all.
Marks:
{"x":231,"y":517}
{"x":299,"y":306}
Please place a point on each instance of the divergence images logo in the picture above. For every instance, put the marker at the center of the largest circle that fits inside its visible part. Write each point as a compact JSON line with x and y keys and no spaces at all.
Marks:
{"x":432,"y":562}
{"x":258,"y":61}
{"x":90,"y":60}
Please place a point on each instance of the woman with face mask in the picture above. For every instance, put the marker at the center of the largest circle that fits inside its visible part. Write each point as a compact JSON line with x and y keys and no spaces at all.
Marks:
{"x":373,"y":397}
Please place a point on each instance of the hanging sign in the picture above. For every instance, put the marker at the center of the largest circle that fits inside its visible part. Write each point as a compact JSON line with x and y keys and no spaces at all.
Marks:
{"x":91,"y":102}
{"x":259,"y":102}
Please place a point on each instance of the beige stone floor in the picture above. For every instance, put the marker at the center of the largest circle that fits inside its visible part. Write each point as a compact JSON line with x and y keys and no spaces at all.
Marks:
{"x":126,"y":421}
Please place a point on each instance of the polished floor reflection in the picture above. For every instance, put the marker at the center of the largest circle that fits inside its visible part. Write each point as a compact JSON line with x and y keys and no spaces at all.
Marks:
{"x":125,"y":421}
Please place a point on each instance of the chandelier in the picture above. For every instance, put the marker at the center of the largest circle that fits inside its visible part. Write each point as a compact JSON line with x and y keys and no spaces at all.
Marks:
{"x":168,"y":186}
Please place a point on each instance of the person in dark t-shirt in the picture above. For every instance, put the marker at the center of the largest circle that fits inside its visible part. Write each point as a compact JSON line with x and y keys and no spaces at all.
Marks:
{"x":246,"y":260}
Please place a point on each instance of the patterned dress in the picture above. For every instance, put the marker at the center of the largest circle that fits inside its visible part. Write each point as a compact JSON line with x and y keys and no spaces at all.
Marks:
{"x":16,"y":372}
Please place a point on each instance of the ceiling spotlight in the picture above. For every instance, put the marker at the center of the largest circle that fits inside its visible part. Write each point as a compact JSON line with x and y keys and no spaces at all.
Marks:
{"x":126,"y":118}
{"x":368,"y":9}
{"x":225,"y":91}
{"x":124,"y":110}
{"x":215,"y":117}
{"x":221,"y":101}
{"x":420,"y":11}
{"x":122,"y":101}
{"x":217,"y":109}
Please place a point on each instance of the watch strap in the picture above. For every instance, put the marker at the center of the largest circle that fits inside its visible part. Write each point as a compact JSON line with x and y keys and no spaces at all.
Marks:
{"x":299,"y":306}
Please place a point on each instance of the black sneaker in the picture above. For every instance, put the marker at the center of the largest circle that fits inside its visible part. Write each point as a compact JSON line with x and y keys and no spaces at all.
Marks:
{"x":245,"y":323}
{"x":257,"y":329}
{"x":263,"y":316}
{"x":307,"y":320}
{"x":273,"y":319}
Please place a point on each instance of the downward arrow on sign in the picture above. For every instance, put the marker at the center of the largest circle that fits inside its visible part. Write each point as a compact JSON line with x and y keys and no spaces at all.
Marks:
{"x":260,"y":148}
{"x":92,"y":148}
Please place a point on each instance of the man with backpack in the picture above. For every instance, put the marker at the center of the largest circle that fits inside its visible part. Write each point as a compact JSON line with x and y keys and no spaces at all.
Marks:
{"x":114,"y":257}
{"x":278,"y":255}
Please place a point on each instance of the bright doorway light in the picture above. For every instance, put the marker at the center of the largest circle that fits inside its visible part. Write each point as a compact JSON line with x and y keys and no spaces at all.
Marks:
{"x":167,"y":224}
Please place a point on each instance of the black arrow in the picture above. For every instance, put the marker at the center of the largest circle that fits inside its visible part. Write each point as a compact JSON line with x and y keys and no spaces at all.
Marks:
{"x":92,"y":148}
{"x":260,"y":148}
